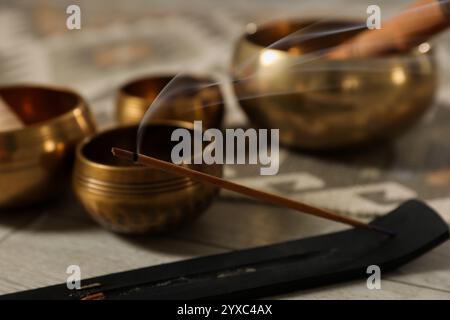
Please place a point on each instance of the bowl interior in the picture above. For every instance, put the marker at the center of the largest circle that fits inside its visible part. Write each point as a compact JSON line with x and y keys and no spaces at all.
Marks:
{"x":300,"y":37}
{"x":149,"y":88}
{"x":156,"y":142}
{"x":34,"y":104}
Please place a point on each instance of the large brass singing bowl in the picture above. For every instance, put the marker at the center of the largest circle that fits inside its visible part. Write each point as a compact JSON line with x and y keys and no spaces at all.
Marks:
{"x":187,"y":99}
{"x":319,"y":103}
{"x":35,"y":160}
{"x":126,"y":198}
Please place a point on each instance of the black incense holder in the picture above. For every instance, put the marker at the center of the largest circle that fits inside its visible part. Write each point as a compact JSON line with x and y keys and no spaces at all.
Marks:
{"x":272,"y":269}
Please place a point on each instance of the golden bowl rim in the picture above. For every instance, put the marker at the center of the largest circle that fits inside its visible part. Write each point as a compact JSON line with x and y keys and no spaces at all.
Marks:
{"x":85,"y":161}
{"x":81,"y":104}
{"x":244,"y":39}
{"x":159,"y":76}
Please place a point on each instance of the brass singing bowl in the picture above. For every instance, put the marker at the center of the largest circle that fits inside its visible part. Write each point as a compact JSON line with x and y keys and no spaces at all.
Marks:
{"x":127,"y":198}
{"x":36,"y":160}
{"x":189,"y":98}
{"x":318,"y":103}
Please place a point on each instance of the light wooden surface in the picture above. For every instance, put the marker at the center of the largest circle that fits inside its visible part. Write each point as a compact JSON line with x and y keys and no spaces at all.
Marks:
{"x":37,"y":247}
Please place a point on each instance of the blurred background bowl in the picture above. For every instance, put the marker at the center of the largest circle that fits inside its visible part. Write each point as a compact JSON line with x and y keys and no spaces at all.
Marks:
{"x":193,"y":98}
{"x":127,"y":198}
{"x":35,"y":160}
{"x":319,"y":103}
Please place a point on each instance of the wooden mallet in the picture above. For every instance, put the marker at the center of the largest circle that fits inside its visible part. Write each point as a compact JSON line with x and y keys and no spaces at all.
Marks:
{"x":420,"y":21}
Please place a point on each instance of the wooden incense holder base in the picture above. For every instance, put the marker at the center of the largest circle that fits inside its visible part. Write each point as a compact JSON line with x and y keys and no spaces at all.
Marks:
{"x":272,"y":269}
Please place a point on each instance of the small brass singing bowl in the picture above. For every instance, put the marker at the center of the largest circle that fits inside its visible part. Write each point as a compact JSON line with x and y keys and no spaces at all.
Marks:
{"x":35,"y":161}
{"x":188,"y":98}
{"x":319,"y":103}
{"x":131,"y":199}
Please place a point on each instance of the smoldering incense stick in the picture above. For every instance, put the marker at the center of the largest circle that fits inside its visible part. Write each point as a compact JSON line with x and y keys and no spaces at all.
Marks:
{"x":232,"y":186}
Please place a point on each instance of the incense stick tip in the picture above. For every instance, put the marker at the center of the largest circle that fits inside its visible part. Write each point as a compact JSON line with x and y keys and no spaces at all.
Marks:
{"x":124,"y":154}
